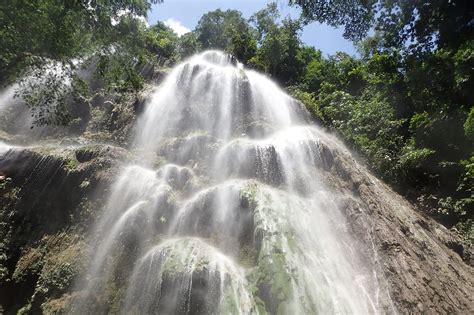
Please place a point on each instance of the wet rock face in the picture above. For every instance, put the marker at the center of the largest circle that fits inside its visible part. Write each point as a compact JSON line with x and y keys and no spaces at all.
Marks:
{"x":189,"y":149}
{"x":276,"y":207}
{"x":424,"y":274}
{"x":204,"y":282}
{"x":230,"y":203}
{"x":178,"y":177}
{"x":48,"y":190}
{"x":198,"y":295}
{"x":244,"y":160}
{"x":37,"y":174}
{"x":193,"y":300}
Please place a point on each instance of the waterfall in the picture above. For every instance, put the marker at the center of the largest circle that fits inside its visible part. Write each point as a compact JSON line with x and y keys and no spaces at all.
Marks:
{"x":226,"y":208}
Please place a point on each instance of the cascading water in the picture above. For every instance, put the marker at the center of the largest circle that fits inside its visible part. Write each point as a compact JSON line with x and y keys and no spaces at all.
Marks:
{"x":14,"y":115}
{"x":227,"y":210}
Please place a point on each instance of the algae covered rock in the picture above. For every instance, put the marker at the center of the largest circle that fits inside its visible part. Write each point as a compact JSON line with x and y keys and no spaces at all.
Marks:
{"x":46,"y":201}
{"x":187,"y":274}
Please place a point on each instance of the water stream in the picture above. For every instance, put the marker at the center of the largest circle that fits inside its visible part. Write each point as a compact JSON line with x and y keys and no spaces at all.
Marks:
{"x":227,"y":210}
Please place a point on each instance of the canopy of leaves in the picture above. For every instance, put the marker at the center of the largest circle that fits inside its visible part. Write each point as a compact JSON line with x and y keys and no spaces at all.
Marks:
{"x":189,"y":44}
{"x":45,"y":44}
{"x":280,"y":50}
{"x":226,"y":30}
{"x":406,"y":105}
{"x":355,"y":15}
{"x":31,"y":31}
{"x":416,"y":26}
{"x":421,"y":25}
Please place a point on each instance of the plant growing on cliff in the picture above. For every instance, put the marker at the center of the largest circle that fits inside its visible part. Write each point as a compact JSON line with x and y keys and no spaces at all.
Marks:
{"x":56,"y":37}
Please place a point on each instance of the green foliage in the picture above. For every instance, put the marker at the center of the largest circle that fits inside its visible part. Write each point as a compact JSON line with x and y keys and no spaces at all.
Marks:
{"x":119,"y":65}
{"x":228,"y":31}
{"x":48,"y":45}
{"x":4,"y":182}
{"x":406,"y":106}
{"x":35,"y":31}
{"x":309,"y":101}
{"x":242,"y":45}
{"x":469,"y":125}
{"x":72,"y":163}
{"x":280,"y":51}
{"x":421,"y":26}
{"x":369,"y":124}
{"x":45,"y":92}
{"x":188,"y":45}
{"x":418,"y":26}
{"x":55,"y":261}
{"x":8,"y":196}
{"x":467,"y":180}
{"x":161,"y":41}
{"x":356,"y":16}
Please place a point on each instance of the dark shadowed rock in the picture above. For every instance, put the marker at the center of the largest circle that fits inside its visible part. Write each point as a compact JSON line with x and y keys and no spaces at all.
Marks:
{"x":48,"y":191}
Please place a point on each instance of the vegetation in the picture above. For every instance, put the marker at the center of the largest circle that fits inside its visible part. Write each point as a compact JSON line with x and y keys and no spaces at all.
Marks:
{"x":227,"y":31}
{"x":405,"y":104}
{"x":48,"y":45}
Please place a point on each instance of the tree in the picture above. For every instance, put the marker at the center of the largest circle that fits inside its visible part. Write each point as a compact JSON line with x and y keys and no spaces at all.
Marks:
{"x":34,"y":31}
{"x":188,"y":45}
{"x":405,"y":104}
{"x":162,"y":41}
{"x":265,"y":20}
{"x":45,"y":42}
{"x":242,"y":45}
{"x":420,"y":26}
{"x":280,"y":44}
{"x":416,"y":26}
{"x":226,"y":30}
{"x":356,"y":16}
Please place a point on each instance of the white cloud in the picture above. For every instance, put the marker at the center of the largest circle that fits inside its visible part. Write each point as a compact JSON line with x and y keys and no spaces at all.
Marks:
{"x":176,"y":26}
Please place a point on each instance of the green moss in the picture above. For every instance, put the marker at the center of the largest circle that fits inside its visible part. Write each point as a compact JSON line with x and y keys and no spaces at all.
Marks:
{"x":283,"y":309}
{"x":72,"y":163}
{"x":260,"y":306}
{"x":273,"y":275}
{"x":56,"y":260}
{"x":4,"y":182}
{"x":229,"y":306}
{"x":8,"y":192}
{"x":247,"y":256}
{"x":85,"y":184}
{"x":8,"y":196}
{"x":57,"y":306}
{"x":280,"y":281}
{"x":249,"y":192}
{"x":24,"y":310}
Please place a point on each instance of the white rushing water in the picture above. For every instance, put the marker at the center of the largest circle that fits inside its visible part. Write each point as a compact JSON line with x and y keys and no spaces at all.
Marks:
{"x":228,"y":212}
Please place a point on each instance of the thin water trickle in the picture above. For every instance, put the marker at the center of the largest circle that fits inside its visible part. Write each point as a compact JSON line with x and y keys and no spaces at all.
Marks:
{"x":231,"y":214}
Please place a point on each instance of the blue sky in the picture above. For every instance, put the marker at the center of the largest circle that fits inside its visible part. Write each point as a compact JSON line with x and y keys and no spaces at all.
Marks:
{"x":183,"y":15}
